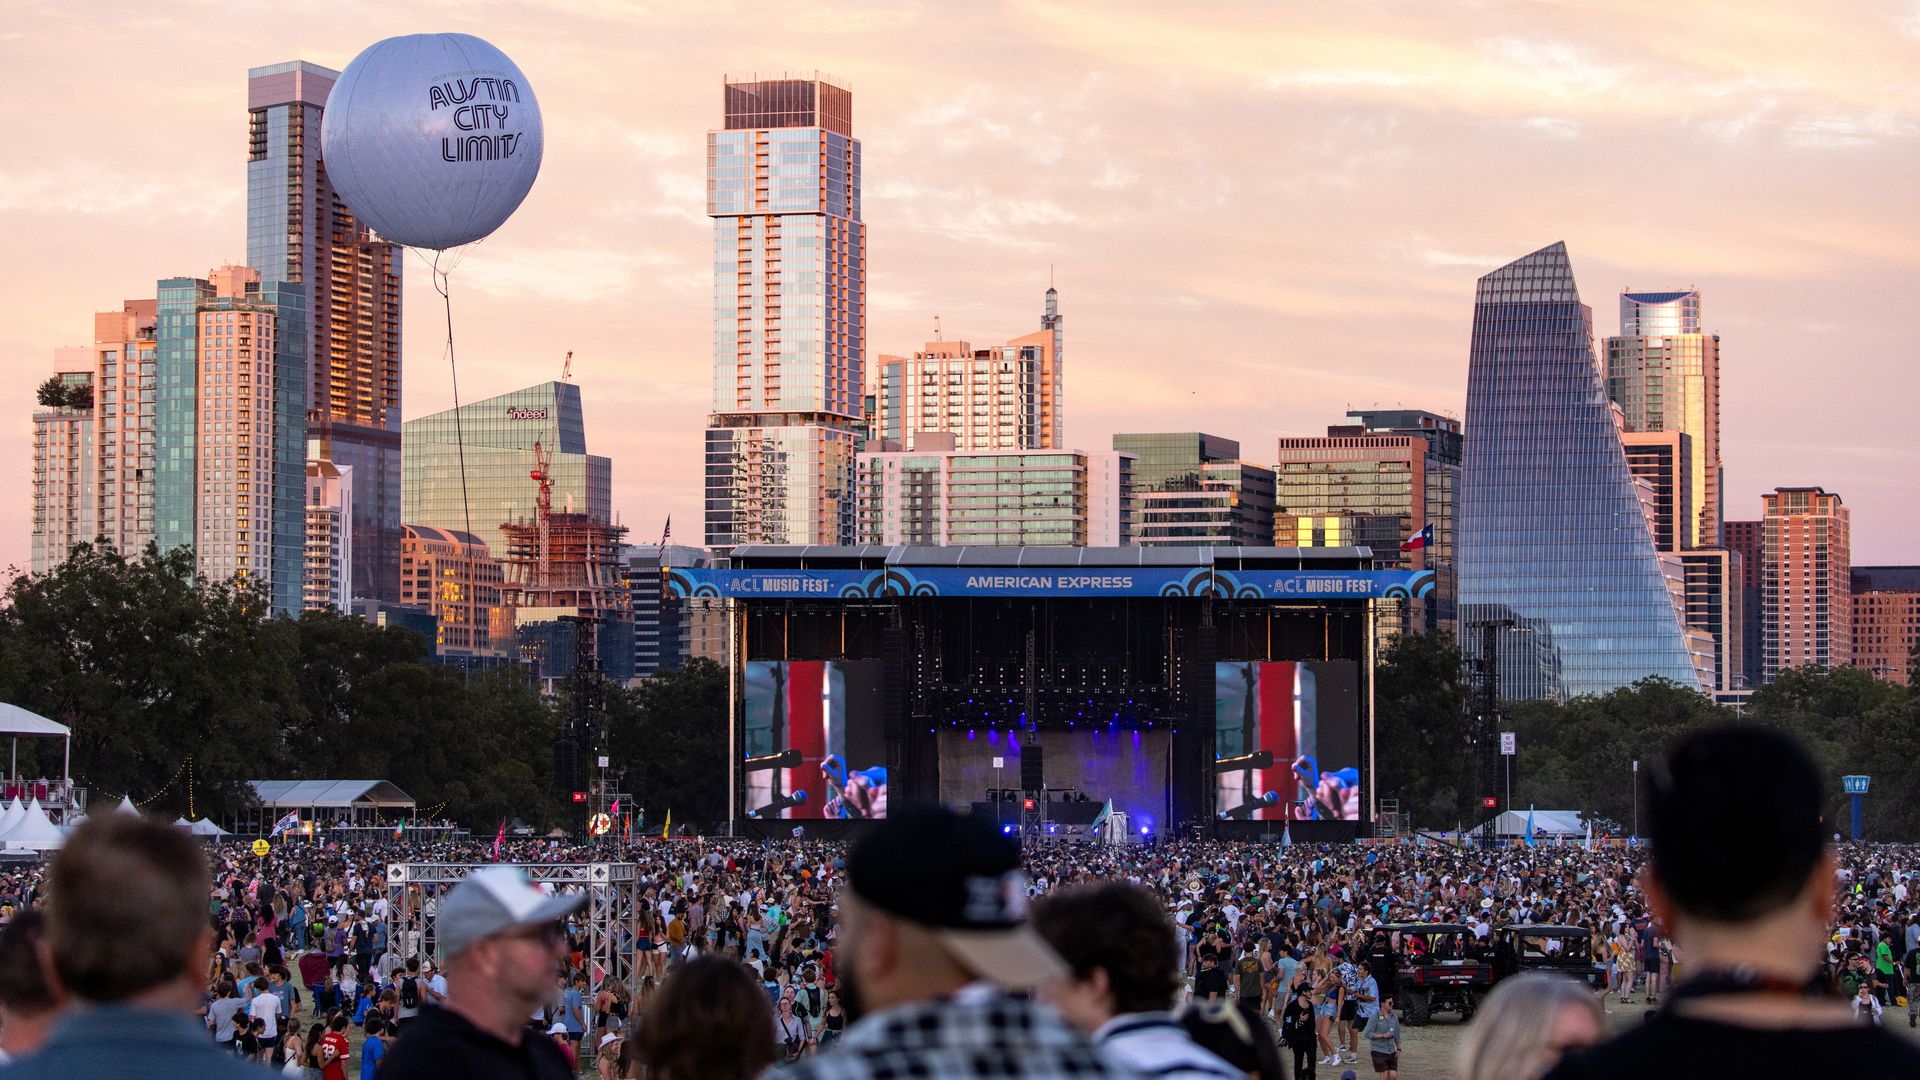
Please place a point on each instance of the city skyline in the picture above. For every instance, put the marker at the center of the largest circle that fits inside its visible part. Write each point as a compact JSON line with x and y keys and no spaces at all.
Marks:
{"x":1331,"y":260}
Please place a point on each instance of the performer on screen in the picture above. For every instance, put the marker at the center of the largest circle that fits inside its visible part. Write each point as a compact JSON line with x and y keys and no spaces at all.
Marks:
{"x":1337,"y":792}
{"x":859,"y":793}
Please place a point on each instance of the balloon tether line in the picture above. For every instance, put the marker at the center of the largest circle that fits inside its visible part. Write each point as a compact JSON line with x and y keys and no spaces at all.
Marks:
{"x":443,"y":286}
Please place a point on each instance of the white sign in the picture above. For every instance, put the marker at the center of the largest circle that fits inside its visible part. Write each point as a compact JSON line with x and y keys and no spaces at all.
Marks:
{"x":603,"y":761}
{"x":999,"y":763}
{"x":1506,"y":743}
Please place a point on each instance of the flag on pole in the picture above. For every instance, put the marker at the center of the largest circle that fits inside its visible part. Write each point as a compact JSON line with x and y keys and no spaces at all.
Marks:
{"x":288,"y":821}
{"x":499,"y":838}
{"x":614,"y":810}
{"x":1589,"y":843}
{"x":1420,"y":539}
{"x":399,"y":827}
{"x":1529,"y":826}
{"x":1286,"y":835}
{"x":668,"y":825}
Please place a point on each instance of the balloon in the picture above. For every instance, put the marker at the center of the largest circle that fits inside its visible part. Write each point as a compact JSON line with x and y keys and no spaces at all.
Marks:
{"x":432,"y":139}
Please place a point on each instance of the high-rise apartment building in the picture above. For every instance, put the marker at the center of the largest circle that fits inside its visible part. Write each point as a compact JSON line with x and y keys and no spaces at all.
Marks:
{"x":329,"y":571}
{"x":1806,"y":582}
{"x":1377,"y":481}
{"x":1745,"y":539}
{"x":452,"y":574}
{"x":299,"y":232}
{"x":1707,"y":580}
{"x":1018,"y":498}
{"x":499,"y":435}
{"x":229,"y":477}
{"x":1663,"y":461}
{"x":125,"y":347}
{"x":1004,"y":397}
{"x":1886,"y":621}
{"x":63,"y":478}
{"x":1552,"y":532}
{"x":789,"y":315}
{"x":1191,"y":488}
{"x":1664,"y":373}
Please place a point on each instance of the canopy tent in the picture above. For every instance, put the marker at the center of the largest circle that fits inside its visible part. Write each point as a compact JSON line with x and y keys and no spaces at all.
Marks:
{"x":203,"y":827}
{"x":126,"y":806}
{"x":12,"y":817}
{"x":35,"y":832}
{"x":355,"y":800}
{"x":1546,"y":823}
{"x":16,"y":721}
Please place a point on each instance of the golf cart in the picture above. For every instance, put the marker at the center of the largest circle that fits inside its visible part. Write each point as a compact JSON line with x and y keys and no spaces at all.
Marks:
{"x":1442,"y":968}
{"x":1563,"y":950}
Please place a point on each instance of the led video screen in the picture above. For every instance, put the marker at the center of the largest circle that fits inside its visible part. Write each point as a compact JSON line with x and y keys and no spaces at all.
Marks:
{"x":815,"y":747}
{"x":1287,"y":740}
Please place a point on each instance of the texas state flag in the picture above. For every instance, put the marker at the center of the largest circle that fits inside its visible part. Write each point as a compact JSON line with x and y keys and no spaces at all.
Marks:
{"x":1420,"y":539}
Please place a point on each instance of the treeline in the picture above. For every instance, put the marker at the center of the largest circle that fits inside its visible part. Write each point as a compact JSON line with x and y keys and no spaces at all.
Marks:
{"x":1579,"y":755}
{"x":150,"y":667}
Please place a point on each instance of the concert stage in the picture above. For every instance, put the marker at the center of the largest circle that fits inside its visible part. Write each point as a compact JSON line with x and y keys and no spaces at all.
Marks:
{"x":1219,"y":687}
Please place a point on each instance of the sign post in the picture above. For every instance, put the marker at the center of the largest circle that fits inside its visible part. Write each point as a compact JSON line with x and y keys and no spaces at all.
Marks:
{"x":1856,"y":789}
{"x":1506,"y":758}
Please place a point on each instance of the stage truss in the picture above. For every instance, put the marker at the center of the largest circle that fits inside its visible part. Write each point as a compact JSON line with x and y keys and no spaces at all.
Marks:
{"x":613,"y":899}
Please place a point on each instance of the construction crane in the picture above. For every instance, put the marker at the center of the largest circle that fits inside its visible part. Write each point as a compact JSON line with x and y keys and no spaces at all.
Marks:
{"x":542,"y":475}
{"x":566,"y":369}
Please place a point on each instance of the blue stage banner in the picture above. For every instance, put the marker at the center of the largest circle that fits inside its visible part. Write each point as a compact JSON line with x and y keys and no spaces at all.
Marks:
{"x":1138,"y":581}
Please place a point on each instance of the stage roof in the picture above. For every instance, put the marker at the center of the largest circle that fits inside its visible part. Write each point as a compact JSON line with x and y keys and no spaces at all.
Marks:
{"x":331,"y":794}
{"x":1048,"y":556}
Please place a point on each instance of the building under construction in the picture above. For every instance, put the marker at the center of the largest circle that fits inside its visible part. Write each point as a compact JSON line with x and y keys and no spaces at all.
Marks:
{"x":564,"y":586}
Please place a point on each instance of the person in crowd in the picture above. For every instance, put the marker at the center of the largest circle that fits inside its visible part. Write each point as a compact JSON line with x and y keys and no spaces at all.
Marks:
{"x":1382,"y":1032}
{"x":28,"y":1004}
{"x":128,"y":938}
{"x":932,"y":937}
{"x":1223,"y":1031}
{"x":502,"y":940}
{"x":708,"y":1021}
{"x":1525,"y":1025}
{"x":1745,"y":882}
{"x":1118,"y":945}
{"x":1297,"y":1029}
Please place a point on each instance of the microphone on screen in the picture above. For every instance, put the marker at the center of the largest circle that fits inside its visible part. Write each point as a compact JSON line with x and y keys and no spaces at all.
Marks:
{"x":1248,"y":809}
{"x":779,"y":803}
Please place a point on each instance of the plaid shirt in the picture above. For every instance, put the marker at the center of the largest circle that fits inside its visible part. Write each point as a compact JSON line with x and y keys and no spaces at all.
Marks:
{"x":984,"y":1036}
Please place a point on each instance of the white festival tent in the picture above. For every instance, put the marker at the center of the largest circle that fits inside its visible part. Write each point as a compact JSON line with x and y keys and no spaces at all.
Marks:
{"x":35,"y":831}
{"x":12,"y":817}
{"x":203,"y":827}
{"x":126,"y":806}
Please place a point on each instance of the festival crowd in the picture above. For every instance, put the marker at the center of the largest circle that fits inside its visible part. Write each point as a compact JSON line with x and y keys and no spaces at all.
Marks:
{"x":937,"y":947}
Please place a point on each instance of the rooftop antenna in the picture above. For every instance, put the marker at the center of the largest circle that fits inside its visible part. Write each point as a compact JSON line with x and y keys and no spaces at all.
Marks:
{"x":936,"y":329}
{"x":566,"y":369}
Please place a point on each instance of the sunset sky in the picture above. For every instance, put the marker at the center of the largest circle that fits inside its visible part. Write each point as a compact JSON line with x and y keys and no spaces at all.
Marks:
{"x":1258,"y":215}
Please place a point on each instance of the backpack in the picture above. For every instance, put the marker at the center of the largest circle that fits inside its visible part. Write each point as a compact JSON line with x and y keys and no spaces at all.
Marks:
{"x":410,"y":992}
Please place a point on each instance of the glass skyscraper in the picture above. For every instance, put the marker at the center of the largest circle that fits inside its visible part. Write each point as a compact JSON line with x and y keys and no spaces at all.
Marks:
{"x":1665,"y":376}
{"x":1552,"y":531}
{"x":499,"y":433}
{"x":1192,"y":488}
{"x":300,"y":233}
{"x":789,"y":315}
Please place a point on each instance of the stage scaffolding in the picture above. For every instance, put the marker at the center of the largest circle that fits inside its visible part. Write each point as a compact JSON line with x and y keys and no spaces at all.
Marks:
{"x":613,"y":898}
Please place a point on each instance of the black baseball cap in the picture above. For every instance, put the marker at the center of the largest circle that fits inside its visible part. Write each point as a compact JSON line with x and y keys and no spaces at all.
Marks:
{"x":959,"y":877}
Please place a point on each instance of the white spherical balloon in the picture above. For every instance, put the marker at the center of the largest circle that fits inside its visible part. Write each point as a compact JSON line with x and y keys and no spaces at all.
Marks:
{"x":432,"y":139}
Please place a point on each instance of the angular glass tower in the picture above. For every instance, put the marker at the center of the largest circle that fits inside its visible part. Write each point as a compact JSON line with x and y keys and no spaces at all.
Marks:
{"x":1552,"y":534}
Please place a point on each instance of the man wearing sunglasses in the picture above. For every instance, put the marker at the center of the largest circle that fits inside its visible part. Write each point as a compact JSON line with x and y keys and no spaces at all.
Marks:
{"x":502,"y":941}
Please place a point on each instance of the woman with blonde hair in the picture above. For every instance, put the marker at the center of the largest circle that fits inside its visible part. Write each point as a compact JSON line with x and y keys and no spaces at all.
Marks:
{"x":1525,"y":1025}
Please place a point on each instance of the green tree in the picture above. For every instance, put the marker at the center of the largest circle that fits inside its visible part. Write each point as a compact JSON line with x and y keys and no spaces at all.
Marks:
{"x":149,"y":667}
{"x":1421,"y":730}
{"x":670,"y":735}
